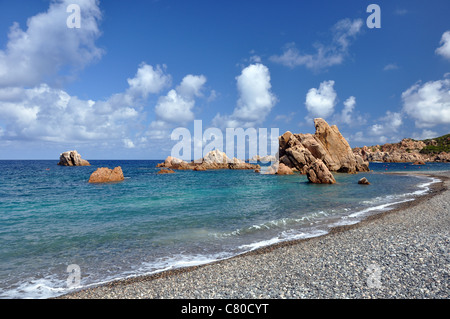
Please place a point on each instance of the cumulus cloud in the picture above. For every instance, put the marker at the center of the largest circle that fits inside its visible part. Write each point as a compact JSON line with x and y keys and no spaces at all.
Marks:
{"x":429,"y":103}
{"x":47,"y":46}
{"x":334,"y":53}
{"x":444,"y":49}
{"x":51,"y":114}
{"x":149,"y":80}
{"x":38,"y":58}
{"x":387,"y":127}
{"x":349,"y":106}
{"x":320,"y":102}
{"x":256,"y":99}
{"x":191,"y":86}
{"x":128,"y":143}
{"x":176,"y":107}
{"x":425,"y":134}
{"x":391,"y":66}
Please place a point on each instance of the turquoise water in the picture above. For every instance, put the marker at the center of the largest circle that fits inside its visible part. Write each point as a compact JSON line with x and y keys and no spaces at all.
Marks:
{"x":51,"y":217}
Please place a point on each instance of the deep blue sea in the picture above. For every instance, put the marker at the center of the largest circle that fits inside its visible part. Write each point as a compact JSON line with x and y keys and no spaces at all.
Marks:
{"x":51,"y":217}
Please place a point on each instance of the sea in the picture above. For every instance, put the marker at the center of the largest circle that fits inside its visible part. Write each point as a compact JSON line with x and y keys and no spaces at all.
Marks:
{"x":58,"y":233}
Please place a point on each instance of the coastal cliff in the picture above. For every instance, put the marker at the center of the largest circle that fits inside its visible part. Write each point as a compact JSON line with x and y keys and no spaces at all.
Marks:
{"x":408,"y":150}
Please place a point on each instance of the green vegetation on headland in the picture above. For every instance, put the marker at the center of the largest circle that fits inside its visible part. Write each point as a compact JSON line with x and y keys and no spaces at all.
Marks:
{"x":436,"y":145}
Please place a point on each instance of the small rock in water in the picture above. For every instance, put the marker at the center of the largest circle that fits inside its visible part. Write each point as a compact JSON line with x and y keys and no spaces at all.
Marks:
{"x":106,"y":175}
{"x":363,"y":181}
{"x":166,"y":171}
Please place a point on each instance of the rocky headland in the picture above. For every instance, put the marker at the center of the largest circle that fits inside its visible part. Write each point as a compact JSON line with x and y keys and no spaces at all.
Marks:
{"x":408,"y":150}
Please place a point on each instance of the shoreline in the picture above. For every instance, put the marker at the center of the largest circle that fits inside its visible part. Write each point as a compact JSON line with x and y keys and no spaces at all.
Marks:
{"x":145,"y":283}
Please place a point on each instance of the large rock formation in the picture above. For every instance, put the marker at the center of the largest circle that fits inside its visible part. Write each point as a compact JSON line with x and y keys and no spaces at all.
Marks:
{"x":72,"y":158}
{"x":213,"y":160}
{"x":106,"y":175}
{"x":300,"y":151}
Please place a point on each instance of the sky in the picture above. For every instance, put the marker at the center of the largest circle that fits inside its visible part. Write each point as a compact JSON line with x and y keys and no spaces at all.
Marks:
{"x":118,"y":84}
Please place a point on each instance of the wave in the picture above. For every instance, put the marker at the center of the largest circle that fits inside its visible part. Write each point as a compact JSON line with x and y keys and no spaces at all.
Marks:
{"x":284,"y":236}
{"x":274,"y":224}
{"x":385,"y":202}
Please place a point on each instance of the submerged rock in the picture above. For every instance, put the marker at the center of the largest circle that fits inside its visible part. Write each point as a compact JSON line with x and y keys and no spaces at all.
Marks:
{"x":166,"y":171}
{"x":106,"y":175}
{"x":72,"y":158}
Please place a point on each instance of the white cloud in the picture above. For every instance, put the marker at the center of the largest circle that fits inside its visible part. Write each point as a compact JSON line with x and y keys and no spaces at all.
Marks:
{"x":177,"y":106}
{"x":349,"y":106}
{"x":42,"y":56}
{"x":158,"y":130}
{"x":256,"y":99}
{"x":46,"y":113}
{"x":51,"y":114}
{"x":428,"y":104}
{"x":425,"y":134}
{"x":344,"y":31}
{"x":320,"y":102}
{"x":128,"y":143}
{"x":174,"y":108}
{"x":191,"y":86}
{"x":391,"y":66}
{"x":391,"y":122}
{"x":255,"y":59}
{"x":386,"y":129}
{"x":444,"y":50}
{"x":47,"y":46}
{"x":148,"y":80}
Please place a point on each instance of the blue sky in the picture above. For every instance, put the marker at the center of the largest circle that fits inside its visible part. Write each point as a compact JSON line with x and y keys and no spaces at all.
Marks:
{"x":116,"y":87}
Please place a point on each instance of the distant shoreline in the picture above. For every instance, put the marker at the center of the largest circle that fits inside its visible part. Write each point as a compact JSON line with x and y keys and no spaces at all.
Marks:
{"x":120,"y":288}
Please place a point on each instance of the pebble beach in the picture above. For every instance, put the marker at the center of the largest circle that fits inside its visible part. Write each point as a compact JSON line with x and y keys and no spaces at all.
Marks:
{"x":401,"y":254}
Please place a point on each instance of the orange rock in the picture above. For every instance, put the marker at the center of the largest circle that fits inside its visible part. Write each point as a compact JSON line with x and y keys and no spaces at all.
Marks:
{"x":318,"y":173}
{"x":106,"y":175}
{"x":284,"y":170}
{"x":166,"y":171}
